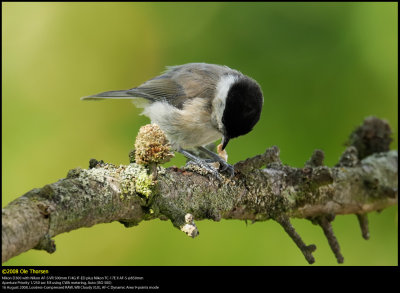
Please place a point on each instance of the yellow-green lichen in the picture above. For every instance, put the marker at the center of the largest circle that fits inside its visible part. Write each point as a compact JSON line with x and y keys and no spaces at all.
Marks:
{"x":144,"y":184}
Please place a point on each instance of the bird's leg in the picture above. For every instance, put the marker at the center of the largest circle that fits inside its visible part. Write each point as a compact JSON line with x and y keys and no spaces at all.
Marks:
{"x":200,"y":162}
{"x":224,"y":165}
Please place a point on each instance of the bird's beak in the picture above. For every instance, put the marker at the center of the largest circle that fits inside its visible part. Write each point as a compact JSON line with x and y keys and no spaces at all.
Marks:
{"x":225,"y":141}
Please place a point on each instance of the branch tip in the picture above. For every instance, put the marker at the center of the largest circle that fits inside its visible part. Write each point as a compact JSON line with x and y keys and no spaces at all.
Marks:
{"x":373,"y":136}
{"x":271,"y":155}
{"x":93,"y":163}
{"x":190,"y":227}
{"x":349,"y":158}
{"x":363,"y":221}
{"x":316,"y":160}
{"x":325,"y":223}
{"x":307,"y":250}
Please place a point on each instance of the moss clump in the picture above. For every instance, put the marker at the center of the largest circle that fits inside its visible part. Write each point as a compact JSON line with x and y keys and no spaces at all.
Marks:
{"x":152,"y":146}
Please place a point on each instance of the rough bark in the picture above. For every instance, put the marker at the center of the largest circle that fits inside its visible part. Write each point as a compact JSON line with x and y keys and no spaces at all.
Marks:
{"x":262,"y":188}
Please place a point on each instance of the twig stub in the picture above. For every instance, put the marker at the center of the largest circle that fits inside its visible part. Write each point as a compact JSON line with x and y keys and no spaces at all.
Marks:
{"x":373,"y":136}
{"x":307,"y":250}
{"x":363,"y":221}
{"x":271,"y":155}
{"x":316,"y":160}
{"x":325,"y":223}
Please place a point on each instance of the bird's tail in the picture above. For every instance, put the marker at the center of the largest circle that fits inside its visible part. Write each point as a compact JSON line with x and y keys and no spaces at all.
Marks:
{"x":124,"y":94}
{"x":139,"y":99}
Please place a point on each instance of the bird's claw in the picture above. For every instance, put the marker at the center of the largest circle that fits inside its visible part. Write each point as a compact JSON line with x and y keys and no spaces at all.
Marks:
{"x":225,"y":167}
{"x":204,"y":163}
{"x":211,"y":170}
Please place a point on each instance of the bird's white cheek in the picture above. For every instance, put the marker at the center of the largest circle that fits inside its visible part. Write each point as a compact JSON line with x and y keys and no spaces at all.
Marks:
{"x":221,"y":92}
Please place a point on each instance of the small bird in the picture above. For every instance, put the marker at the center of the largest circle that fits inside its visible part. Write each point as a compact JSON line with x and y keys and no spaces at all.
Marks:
{"x":196,"y":104}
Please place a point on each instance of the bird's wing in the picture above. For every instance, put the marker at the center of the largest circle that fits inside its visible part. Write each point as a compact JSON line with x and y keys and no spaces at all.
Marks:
{"x":160,"y":88}
{"x":156,"y":89}
{"x":195,"y":80}
{"x":176,"y":85}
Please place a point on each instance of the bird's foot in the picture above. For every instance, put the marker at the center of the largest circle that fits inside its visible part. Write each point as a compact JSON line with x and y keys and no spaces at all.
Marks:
{"x":201,"y":163}
{"x":223,"y":165}
{"x":203,"y":168}
{"x":227,"y":168}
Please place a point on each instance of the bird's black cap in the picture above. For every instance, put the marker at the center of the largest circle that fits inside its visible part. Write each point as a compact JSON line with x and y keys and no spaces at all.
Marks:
{"x":242,"y":107}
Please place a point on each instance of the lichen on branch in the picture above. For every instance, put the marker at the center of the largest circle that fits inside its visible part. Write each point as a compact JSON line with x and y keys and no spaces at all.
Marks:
{"x":263,"y":188}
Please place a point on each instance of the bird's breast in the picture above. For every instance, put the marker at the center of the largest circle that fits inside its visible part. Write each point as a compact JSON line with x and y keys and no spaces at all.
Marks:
{"x":186,"y":128}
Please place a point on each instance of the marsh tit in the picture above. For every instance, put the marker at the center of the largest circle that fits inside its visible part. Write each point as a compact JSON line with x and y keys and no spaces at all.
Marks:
{"x":196,"y":104}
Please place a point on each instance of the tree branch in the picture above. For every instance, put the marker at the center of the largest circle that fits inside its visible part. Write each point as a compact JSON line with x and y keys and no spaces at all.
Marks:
{"x":129,"y":194}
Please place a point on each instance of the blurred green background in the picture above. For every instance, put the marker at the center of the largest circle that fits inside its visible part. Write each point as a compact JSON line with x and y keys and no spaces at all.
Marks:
{"x":323,"y":68}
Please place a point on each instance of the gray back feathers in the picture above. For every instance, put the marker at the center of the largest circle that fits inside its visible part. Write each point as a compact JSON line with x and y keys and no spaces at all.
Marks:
{"x":176,"y":85}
